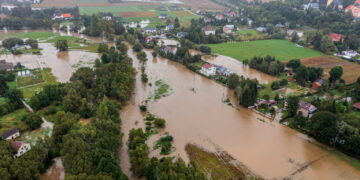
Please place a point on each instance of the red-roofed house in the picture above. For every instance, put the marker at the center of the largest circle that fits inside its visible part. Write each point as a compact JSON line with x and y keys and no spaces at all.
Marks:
{"x":20,"y":147}
{"x":208,"y":70}
{"x":66,"y":15}
{"x":232,"y":14}
{"x":219,"y":16}
{"x":354,"y":9}
{"x":357,"y":106}
{"x":335,"y":37}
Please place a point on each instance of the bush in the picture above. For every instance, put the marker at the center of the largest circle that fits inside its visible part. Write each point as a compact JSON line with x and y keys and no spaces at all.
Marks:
{"x":11,"y":42}
{"x":159,"y":122}
{"x":103,"y":48}
{"x":205,"y":49}
{"x":143,"y":108}
{"x":33,"y":121}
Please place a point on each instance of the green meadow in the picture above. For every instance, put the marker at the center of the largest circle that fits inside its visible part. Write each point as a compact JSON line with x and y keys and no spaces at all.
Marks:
{"x":282,"y":49}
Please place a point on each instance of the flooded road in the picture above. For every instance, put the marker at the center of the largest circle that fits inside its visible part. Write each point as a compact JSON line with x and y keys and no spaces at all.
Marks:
{"x":195,"y":113}
{"x":55,"y":172}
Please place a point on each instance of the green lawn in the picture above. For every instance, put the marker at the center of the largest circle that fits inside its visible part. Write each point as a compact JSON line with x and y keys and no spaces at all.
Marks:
{"x":281,"y":49}
{"x":49,"y":78}
{"x":13,"y":120}
{"x":34,"y":35}
{"x":115,"y":10}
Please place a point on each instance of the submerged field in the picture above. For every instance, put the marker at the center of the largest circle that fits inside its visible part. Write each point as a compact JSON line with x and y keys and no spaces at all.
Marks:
{"x":281,"y":49}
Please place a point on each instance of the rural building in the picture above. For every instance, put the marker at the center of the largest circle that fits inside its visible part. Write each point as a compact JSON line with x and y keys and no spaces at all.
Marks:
{"x":299,"y":33}
{"x":208,"y":30}
{"x":207,"y":20}
{"x":20,"y":148}
{"x":8,"y":7}
{"x":232,"y":14}
{"x":335,"y":3}
{"x":208,"y":70}
{"x":181,"y":34}
{"x":261,"y":29}
{"x":64,"y":16}
{"x":24,"y":73}
{"x":335,"y":37}
{"x":311,"y":5}
{"x":306,"y":109}
{"x":11,"y":134}
{"x":222,"y":71}
{"x":169,"y":27}
{"x":349,"y":54}
{"x":267,"y":103}
{"x":150,"y":30}
{"x":219,"y":16}
{"x":356,"y":106}
{"x":163,"y":16}
{"x":317,"y":83}
{"x":169,"y":50}
{"x":354,"y":9}
{"x":227,"y":30}
{"x":5,"y":66}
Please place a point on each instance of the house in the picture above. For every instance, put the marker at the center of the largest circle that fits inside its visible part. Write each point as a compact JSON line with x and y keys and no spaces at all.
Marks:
{"x":279,"y":25}
{"x":219,"y":16}
{"x":227,"y":30}
{"x":5,"y":66}
{"x":263,"y":102}
{"x":207,"y":20}
{"x":335,"y":4}
{"x":208,"y":30}
{"x":181,"y":34}
{"x":349,"y":54}
{"x":9,"y":7}
{"x":10,"y":135}
{"x":306,"y":109}
{"x":108,"y":18}
{"x":299,"y":33}
{"x":356,"y":106}
{"x":24,"y":73}
{"x":335,"y":37}
{"x":169,"y":27}
{"x":261,"y":29}
{"x":208,"y":70}
{"x":20,"y":148}
{"x":150,"y":30}
{"x":311,"y":5}
{"x":354,"y":9}
{"x":169,"y":50}
{"x":64,"y":16}
{"x":163,"y":16}
{"x":232,"y":14}
{"x":317,"y":83}
{"x":232,"y":27}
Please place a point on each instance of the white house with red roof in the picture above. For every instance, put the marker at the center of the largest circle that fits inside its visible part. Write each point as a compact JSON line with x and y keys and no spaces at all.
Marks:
{"x":209,"y":30}
{"x":335,"y":37}
{"x":354,"y":9}
{"x":20,"y":148}
{"x":219,"y":16}
{"x":208,"y":70}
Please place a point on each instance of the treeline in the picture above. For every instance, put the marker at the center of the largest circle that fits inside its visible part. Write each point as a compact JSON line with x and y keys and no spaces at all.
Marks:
{"x":97,"y":26}
{"x":196,"y":35}
{"x":13,"y":96}
{"x":154,"y":168}
{"x":246,"y":90}
{"x":304,"y":74}
{"x":268,"y":65}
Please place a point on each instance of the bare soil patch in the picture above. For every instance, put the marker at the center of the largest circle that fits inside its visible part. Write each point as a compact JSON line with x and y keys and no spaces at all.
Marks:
{"x":351,"y":70}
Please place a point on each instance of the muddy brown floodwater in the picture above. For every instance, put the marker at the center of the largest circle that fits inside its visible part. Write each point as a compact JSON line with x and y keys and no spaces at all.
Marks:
{"x":195,"y":113}
{"x":55,"y":172}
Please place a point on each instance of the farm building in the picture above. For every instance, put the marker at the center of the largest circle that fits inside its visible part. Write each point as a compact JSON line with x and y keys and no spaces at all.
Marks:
{"x":11,"y":134}
{"x":306,"y":109}
{"x":20,"y":148}
{"x":208,"y":70}
{"x":208,"y":30}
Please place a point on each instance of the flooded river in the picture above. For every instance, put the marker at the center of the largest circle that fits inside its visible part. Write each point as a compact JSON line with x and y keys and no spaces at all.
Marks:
{"x":195,"y":113}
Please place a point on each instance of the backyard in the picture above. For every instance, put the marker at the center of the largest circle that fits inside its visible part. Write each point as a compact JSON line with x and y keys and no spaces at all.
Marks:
{"x":281,"y":49}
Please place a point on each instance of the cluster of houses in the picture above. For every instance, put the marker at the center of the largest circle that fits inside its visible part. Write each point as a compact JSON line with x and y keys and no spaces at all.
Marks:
{"x":19,"y":147}
{"x":10,"y":6}
{"x":212,"y":70}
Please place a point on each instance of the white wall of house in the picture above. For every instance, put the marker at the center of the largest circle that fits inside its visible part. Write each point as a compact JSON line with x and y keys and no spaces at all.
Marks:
{"x":23,"y":149}
{"x":13,"y":136}
{"x":207,"y":33}
{"x":208,"y":71}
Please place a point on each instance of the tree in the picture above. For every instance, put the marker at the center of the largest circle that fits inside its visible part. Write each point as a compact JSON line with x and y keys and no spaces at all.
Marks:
{"x":3,"y":86}
{"x":32,"y":43}
{"x":327,"y":46}
{"x":233,"y":81}
{"x":294,"y":64}
{"x":102,"y":48}
{"x":61,"y":45}
{"x":295,"y":37}
{"x":292,"y":105}
{"x":137,"y":47}
{"x":335,"y":74}
{"x":11,"y":42}
{"x":72,"y":101}
{"x":142,"y":56}
{"x":205,"y":49}
{"x":86,"y":75}
{"x":176,"y":23}
{"x":324,"y":126}
{"x":32,"y":120}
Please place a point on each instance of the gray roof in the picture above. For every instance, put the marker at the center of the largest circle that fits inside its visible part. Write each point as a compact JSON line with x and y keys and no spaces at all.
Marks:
{"x":9,"y":133}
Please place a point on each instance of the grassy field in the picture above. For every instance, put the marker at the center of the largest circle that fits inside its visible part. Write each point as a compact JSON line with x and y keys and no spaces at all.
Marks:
{"x":12,"y":120}
{"x":249,"y":34}
{"x":351,"y":70}
{"x":281,"y":49}
{"x":29,"y":91}
{"x":115,"y":10}
{"x":212,"y":166}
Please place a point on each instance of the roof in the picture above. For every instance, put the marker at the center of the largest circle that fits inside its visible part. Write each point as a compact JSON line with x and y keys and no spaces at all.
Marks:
{"x":163,"y":15}
{"x":335,"y":36}
{"x":208,"y":28}
{"x":207,"y":66}
{"x":170,"y":26}
{"x":9,"y":133}
{"x":66,"y":15}
{"x":17,"y":144}
{"x":306,"y":105}
{"x":357,"y":105}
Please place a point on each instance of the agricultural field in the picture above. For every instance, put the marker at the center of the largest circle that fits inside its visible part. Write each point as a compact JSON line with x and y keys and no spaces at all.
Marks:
{"x":249,"y":34}
{"x":282,"y":49}
{"x":12,"y":120}
{"x":351,"y":70}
